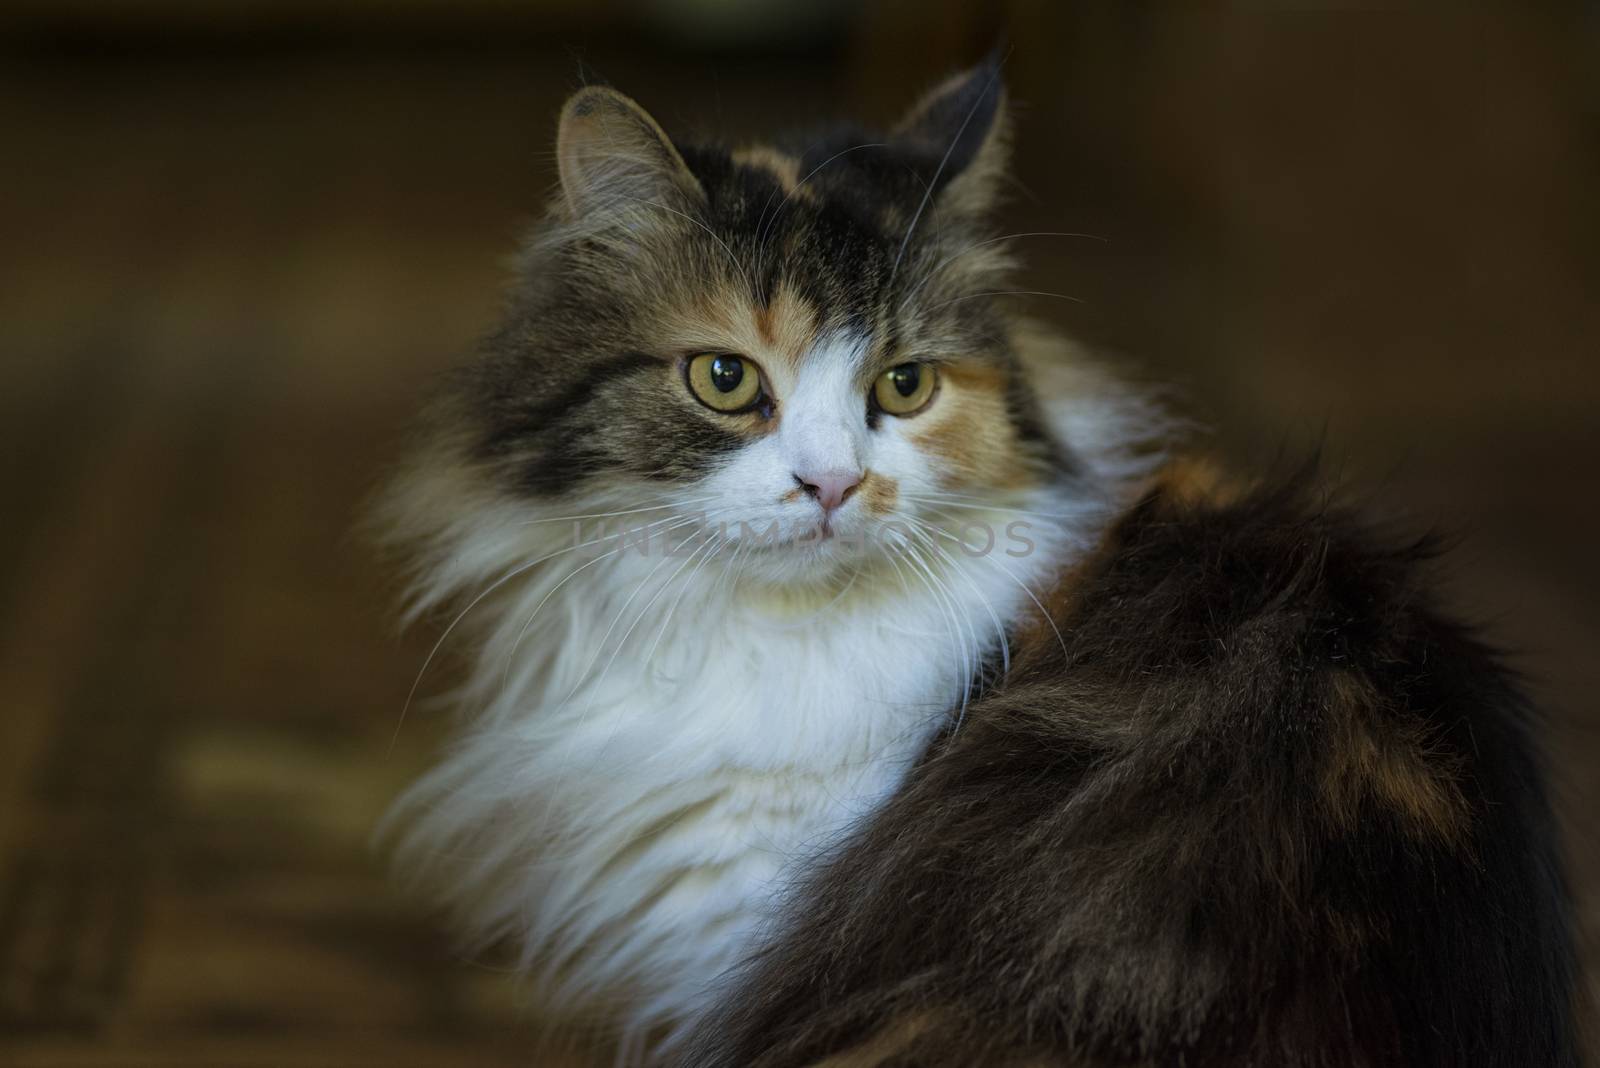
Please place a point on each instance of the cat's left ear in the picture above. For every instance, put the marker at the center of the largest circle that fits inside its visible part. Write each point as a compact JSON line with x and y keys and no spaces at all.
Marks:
{"x":961,"y":131}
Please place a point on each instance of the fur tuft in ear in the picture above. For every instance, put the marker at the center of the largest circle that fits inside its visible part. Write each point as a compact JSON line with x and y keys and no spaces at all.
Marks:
{"x":960,"y":130}
{"x":612,"y":153}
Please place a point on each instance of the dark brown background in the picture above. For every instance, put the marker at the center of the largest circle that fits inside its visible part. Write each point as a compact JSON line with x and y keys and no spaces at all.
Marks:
{"x":238,"y":242}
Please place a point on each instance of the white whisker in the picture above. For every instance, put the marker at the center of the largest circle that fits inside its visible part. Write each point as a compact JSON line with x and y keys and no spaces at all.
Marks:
{"x":673,"y":610}
{"x":975,"y":666}
{"x":991,"y":506}
{"x":1025,"y":589}
{"x":501,"y":581}
{"x":933,"y":272}
{"x":600,"y":646}
{"x":744,"y":272}
{"x":767,"y":224}
{"x":943,"y":162}
{"x":624,"y":511}
{"x":1006,"y":293}
{"x":676,"y":523}
{"x":1043,"y":611}
{"x":999,"y":630}
{"x":946,"y":603}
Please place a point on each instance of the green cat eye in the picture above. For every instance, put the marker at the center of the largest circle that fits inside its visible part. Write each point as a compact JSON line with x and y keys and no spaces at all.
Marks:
{"x":905,"y":389}
{"x":723,"y":382}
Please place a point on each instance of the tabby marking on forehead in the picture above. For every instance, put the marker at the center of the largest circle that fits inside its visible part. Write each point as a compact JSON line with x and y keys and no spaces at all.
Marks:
{"x":728,"y":318}
{"x":789,"y":323}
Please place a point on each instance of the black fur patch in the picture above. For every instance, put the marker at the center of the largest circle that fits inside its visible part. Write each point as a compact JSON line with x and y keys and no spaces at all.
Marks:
{"x":575,"y":383}
{"x":1262,"y":805}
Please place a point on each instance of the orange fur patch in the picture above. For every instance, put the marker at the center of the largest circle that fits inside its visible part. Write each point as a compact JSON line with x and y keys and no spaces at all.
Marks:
{"x":1184,"y":480}
{"x":1039,"y":633}
{"x":878,"y":493}
{"x":968,"y":427}
{"x":1198,"y":480}
{"x":1388,"y":763}
{"x":725,"y":318}
{"x":788,"y":325}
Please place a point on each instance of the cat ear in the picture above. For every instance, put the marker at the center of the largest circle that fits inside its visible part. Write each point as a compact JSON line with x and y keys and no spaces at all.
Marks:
{"x":611,"y":153}
{"x":961,"y":124}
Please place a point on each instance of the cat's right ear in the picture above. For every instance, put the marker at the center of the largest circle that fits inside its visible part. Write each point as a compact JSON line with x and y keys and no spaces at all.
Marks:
{"x":612,"y":154}
{"x":960,"y":133}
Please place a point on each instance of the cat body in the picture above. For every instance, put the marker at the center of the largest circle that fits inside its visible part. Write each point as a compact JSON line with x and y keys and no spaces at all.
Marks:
{"x":844,"y":681}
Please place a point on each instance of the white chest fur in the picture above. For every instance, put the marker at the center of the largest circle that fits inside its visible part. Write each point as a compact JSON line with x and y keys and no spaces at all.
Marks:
{"x":661,"y":749}
{"x":657,"y":751}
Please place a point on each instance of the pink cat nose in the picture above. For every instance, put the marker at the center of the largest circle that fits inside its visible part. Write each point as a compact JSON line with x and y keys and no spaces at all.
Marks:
{"x":829,"y":488}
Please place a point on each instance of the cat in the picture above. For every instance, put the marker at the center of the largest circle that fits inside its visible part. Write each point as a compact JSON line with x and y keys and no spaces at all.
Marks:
{"x":854,"y":681}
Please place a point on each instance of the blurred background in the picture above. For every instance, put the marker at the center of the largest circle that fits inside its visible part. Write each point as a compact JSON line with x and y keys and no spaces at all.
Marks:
{"x":238,"y":240}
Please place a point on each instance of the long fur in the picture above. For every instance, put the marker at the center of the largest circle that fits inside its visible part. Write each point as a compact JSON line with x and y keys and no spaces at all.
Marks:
{"x":1235,"y":793}
{"x":658,"y":743}
{"x":626,"y":819}
{"x":1265,"y":805}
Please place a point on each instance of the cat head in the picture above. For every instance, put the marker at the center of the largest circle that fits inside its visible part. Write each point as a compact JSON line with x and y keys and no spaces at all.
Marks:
{"x":802,"y":343}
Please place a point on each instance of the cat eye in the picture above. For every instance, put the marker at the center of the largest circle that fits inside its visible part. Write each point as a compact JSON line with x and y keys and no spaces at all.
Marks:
{"x":723,"y":382}
{"x":906,"y":389}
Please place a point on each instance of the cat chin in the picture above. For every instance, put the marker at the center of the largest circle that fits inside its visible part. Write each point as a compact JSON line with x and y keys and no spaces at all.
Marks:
{"x":811,"y":560}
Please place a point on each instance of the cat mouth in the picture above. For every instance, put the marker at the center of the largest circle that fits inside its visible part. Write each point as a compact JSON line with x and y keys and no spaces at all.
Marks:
{"x":808,"y":537}
{"x":821,"y":537}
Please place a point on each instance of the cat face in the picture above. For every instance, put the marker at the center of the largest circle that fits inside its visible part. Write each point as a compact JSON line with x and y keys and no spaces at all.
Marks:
{"x":801,"y":347}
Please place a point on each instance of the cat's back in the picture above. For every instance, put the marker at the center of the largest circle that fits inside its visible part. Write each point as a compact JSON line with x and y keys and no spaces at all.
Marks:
{"x":1251,"y":798}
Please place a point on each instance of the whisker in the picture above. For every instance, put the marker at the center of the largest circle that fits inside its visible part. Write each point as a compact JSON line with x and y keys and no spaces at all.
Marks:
{"x":1037,"y":604}
{"x":677,"y":522}
{"x":744,"y":271}
{"x":987,"y":506}
{"x":932,"y":185}
{"x":1006,"y":293}
{"x":688,"y":583}
{"x":621,"y":642}
{"x":894,"y":561}
{"x":965,"y":634}
{"x":624,"y":511}
{"x":976,"y":662}
{"x":947,"y":609}
{"x":767,"y":224}
{"x":501,"y":581}
{"x":1025,"y":589}
{"x":999,"y":629}
{"x":941,"y":265}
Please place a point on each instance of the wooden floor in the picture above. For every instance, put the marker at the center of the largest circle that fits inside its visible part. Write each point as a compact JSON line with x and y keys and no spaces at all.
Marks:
{"x":225,"y":286}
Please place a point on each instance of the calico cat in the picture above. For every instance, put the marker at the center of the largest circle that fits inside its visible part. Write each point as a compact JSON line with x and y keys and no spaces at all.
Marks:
{"x":905,"y":712}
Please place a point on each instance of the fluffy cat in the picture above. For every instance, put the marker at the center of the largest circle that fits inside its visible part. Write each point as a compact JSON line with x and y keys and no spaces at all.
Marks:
{"x":911,"y":719}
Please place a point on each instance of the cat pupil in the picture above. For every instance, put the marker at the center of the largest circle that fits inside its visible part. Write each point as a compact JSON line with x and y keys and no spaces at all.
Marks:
{"x":726,"y":373}
{"x":906,"y":378}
